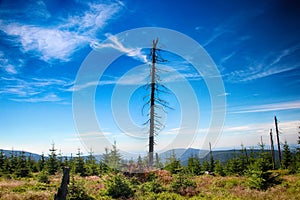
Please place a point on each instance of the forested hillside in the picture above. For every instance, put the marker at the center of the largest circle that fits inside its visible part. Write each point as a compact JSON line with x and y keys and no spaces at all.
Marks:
{"x":245,"y":173}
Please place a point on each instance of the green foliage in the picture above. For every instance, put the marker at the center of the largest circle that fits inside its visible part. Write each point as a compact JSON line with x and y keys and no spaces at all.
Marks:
{"x":152,"y":186}
{"x":140,"y":164}
{"x":12,"y":163}
{"x":112,"y":158}
{"x":183,"y":184}
{"x":77,"y":191}
{"x":259,"y":175}
{"x":52,"y":164}
{"x":205,"y":166}
{"x":287,"y":156}
{"x":32,"y":164}
{"x":211,"y":160}
{"x":41,"y":162}
{"x":2,"y":158}
{"x":168,"y":196}
{"x":242,"y":162}
{"x":119,"y":187}
{"x":297,"y":161}
{"x":226,"y":183}
{"x":219,"y":169}
{"x":103,"y":168}
{"x":79,"y":164}
{"x":157,"y":163}
{"x":194,"y":166}
{"x":91,"y":165}
{"x":43,"y":177}
{"x":231,"y":166}
{"x":238,"y":164}
{"x":22,"y":169}
{"x":3,"y":163}
{"x":173,"y":164}
{"x":160,"y":196}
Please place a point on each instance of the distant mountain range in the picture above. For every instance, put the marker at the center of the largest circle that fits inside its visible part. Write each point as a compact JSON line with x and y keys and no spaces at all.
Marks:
{"x":8,"y":153}
{"x":223,"y":155}
{"x":182,"y":154}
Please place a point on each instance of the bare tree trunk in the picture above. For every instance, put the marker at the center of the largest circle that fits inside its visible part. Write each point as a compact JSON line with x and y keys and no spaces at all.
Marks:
{"x":63,"y":189}
{"x":278,"y":142}
{"x":152,"y":105}
{"x":272,"y":149}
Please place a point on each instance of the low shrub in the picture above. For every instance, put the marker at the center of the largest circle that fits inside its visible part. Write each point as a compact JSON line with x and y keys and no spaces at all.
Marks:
{"x":183,"y":185}
{"x":169,"y":196}
{"x":43,"y":177}
{"x":119,"y":187}
{"x":260,"y":176}
{"x":152,"y":186}
{"x":77,"y":191}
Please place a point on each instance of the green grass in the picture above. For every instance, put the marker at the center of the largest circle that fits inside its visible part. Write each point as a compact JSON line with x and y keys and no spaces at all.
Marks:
{"x":207,"y":187}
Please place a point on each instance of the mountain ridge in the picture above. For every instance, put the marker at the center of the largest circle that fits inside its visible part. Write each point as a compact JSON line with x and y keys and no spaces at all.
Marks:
{"x":182,"y":154}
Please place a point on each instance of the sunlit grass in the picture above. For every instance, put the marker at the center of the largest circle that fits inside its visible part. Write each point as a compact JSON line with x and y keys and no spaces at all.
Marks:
{"x":208,"y":187}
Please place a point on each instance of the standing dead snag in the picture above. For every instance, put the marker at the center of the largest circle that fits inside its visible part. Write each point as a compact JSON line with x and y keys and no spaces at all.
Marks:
{"x":63,"y":189}
{"x":152,"y":103}
{"x":272,"y":149}
{"x":155,"y":102}
{"x":278,"y":141}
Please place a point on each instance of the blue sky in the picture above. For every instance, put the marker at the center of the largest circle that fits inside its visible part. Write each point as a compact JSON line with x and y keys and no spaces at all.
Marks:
{"x":255,"y":46}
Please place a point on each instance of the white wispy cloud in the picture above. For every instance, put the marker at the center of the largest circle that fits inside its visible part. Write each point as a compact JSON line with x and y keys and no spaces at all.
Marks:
{"x":229,"y":25}
{"x":93,"y":19}
{"x":6,"y":65}
{"x":116,"y":44}
{"x":289,"y":105}
{"x":55,"y":41}
{"x":217,"y":32}
{"x":271,"y":64}
{"x":89,"y":136}
{"x":33,"y":90}
{"x":172,"y":131}
{"x":47,"y":98}
{"x":141,"y":77}
{"x":49,"y":43}
{"x":227,"y":57}
{"x":250,"y":68}
{"x":10,"y":69}
{"x":137,"y":78}
{"x":265,"y":73}
{"x":250,"y":134}
{"x":60,"y":41}
{"x":33,"y":10}
{"x":224,"y":94}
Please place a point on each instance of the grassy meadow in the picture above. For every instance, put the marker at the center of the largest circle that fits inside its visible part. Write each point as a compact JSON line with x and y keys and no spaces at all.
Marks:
{"x":159,"y":185}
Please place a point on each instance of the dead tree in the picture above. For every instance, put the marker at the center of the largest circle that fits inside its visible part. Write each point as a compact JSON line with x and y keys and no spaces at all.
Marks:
{"x":272,"y":149}
{"x":155,"y":102}
{"x":212,"y":162}
{"x":278,"y":141}
{"x":63,"y":189}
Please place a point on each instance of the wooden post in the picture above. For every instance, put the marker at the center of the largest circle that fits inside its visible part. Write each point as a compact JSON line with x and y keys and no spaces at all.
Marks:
{"x":278,"y":141}
{"x":63,"y":189}
{"x":212,"y":164}
{"x":272,"y":149}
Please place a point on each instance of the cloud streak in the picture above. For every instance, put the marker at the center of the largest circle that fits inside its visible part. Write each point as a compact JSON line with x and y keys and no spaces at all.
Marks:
{"x":141,"y":77}
{"x":135,"y":53}
{"x":272,"y":64}
{"x":60,"y":41}
{"x":250,"y":135}
{"x":33,"y":90}
{"x":289,"y":105}
{"x":49,"y":43}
